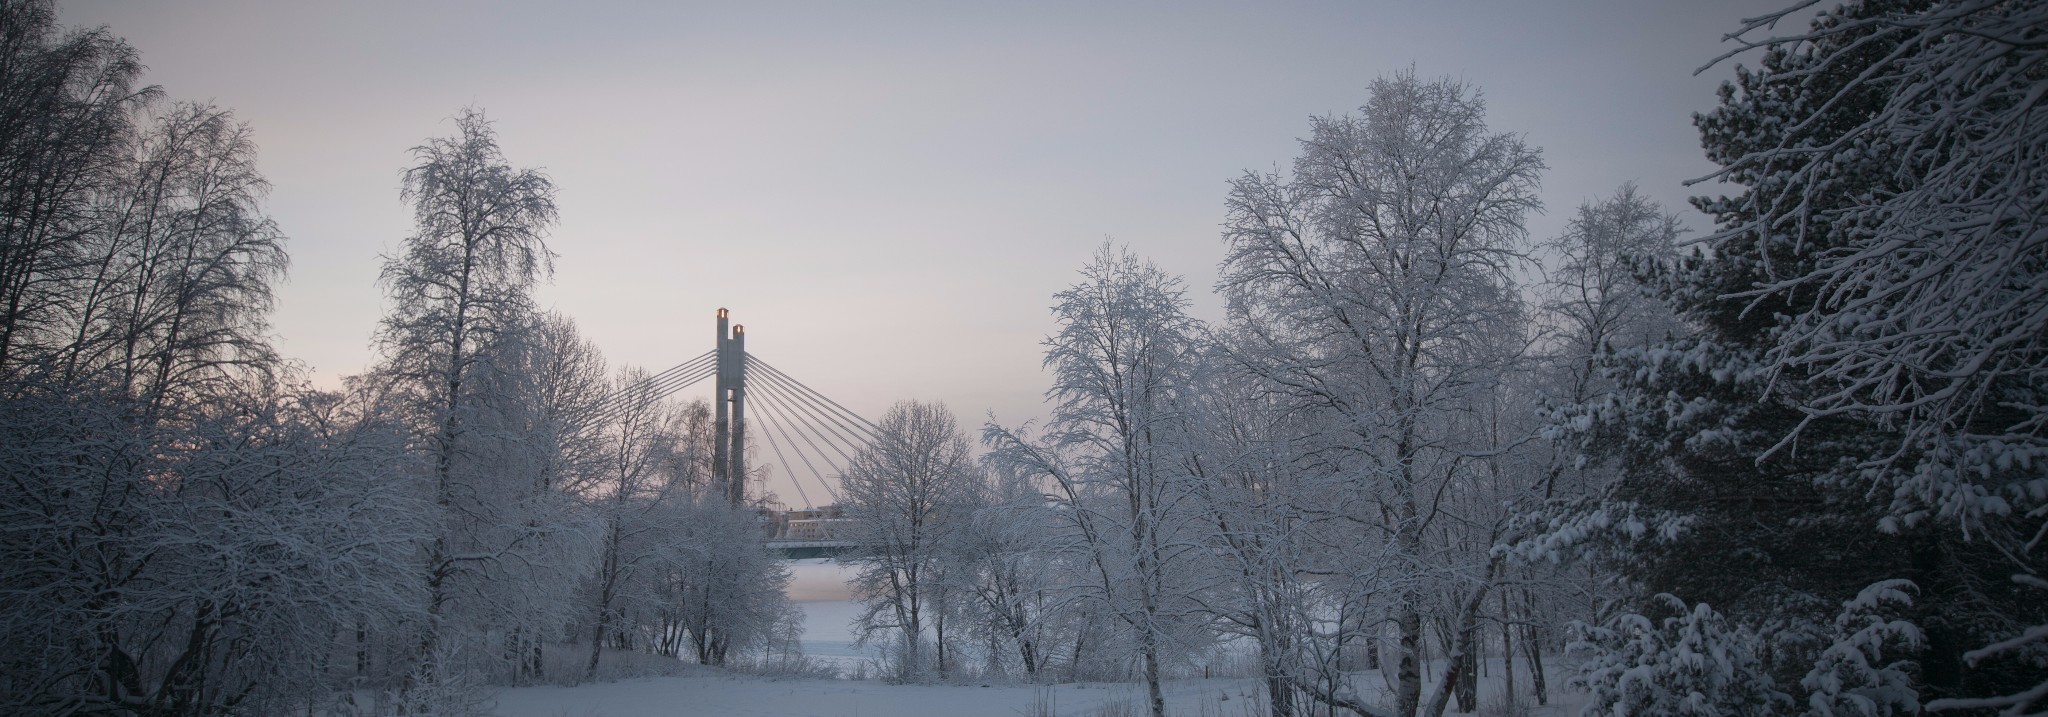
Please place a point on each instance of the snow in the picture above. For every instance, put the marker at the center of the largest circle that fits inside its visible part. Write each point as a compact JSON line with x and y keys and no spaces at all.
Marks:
{"x":708,"y":692}
{"x":714,"y":693}
{"x":819,"y":588}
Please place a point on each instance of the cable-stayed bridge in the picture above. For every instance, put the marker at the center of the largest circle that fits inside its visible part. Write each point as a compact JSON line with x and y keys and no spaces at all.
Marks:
{"x":812,"y":437}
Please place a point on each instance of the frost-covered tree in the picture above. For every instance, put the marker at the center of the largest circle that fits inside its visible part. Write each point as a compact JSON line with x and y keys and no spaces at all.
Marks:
{"x":199,"y":567}
{"x":539,"y":432}
{"x":1837,"y":423}
{"x":68,"y":105}
{"x":1273,"y":553}
{"x":1598,"y":300}
{"x":460,"y":294}
{"x":1122,"y":362}
{"x":1595,"y":293}
{"x":1691,"y":662}
{"x":183,"y":531}
{"x":725,"y":587}
{"x":1897,"y":216}
{"x":179,"y":288}
{"x":908,"y":496}
{"x":1918,"y":283}
{"x":1374,"y":286}
{"x":629,"y":499}
{"x":1005,"y":561}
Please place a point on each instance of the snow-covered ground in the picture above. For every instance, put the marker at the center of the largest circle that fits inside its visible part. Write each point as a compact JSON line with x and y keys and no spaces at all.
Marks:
{"x":713,"y":693}
{"x":819,"y":588}
{"x":706,"y":692}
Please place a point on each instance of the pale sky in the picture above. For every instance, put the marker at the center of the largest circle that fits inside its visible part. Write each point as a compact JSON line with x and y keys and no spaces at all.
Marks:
{"x":886,"y":194}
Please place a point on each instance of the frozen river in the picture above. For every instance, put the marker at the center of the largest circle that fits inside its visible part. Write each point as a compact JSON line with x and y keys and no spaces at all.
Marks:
{"x":818,"y":587}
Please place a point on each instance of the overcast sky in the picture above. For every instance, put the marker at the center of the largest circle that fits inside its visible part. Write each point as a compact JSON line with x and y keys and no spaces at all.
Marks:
{"x":886,"y":194}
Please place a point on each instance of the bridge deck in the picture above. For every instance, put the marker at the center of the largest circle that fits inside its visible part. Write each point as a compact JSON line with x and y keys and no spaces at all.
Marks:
{"x":787,"y":544}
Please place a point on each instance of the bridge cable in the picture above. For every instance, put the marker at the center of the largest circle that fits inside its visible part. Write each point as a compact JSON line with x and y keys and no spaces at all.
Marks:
{"x":839,"y":429}
{"x":833,"y":437}
{"x":769,"y":391}
{"x":691,"y":365}
{"x":611,"y":403}
{"x":814,"y":433}
{"x":853,"y":432}
{"x":846,"y":431}
{"x":766,"y":413}
{"x":779,"y":424}
{"x":651,"y":394}
{"x":680,"y":382}
{"x":778,"y":372}
{"x":688,"y":373}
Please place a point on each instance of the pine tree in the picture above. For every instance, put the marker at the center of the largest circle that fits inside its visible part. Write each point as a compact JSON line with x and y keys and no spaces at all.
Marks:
{"x":1797,"y":452}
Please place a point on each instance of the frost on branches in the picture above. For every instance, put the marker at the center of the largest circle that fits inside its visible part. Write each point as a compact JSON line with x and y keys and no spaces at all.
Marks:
{"x":1853,"y":676}
{"x":1690,"y":663}
{"x":1861,"y":400}
{"x":1694,"y":662}
{"x":1926,"y":274}
{"x":1894,"y":155}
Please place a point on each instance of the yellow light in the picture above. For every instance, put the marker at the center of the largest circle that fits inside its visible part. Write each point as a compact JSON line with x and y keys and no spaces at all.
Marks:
{"x":721,"y":313}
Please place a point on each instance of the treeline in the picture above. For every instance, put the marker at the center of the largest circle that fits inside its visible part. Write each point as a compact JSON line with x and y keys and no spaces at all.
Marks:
{"x":1791,"y":467}
{"x":187,"y":528}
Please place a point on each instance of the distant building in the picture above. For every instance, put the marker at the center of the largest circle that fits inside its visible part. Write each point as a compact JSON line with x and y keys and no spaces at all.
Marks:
{"x":809,"y":524}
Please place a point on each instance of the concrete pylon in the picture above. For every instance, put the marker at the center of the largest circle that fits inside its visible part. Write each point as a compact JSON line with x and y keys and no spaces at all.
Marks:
{"x":729,"y":418}
{"x":736,"y":488}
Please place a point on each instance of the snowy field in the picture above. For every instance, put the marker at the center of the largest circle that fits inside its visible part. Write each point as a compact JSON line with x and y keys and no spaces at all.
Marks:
{"x":714,"y":693}
{"x":710,"y":693}
{"x":819,"y":588}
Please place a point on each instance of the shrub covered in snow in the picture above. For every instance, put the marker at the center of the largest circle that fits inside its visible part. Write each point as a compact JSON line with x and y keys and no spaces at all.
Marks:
{"x":1691,"y":662}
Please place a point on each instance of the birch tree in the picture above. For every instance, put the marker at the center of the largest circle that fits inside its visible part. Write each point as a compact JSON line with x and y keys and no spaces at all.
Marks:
{"x":68,"y":105}
{"x":1254,"y":497}
{"x":1005,"y":559}
{"x":1121,"y":363}
{"x":630,"y":500}
{"x":907,"y":494}
{"x":727,"y":589}
{"x":1596,"y":293}
{"x":177,"y":290}
{"x":1375,"y":282}
{"x":459,"y":291}
{"x":187,"y":532}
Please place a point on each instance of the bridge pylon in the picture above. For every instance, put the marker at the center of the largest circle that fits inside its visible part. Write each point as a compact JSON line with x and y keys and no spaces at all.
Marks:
{"x":729,"y":424}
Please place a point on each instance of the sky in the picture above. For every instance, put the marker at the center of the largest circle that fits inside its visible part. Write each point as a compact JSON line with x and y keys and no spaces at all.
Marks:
{"x":887,"y":194}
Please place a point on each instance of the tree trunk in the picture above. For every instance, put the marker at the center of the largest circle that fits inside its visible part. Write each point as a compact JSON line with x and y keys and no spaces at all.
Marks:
{"x":939,"y":630}
{"x":1025,"y":649}
{"x":1372,"y":650}
{"x":1074,"y":665}
{"x":1507,"y":648}
{"x":1408,"y":675}
{"x":596,"y":645}
{"x":1468,"y":669}
{"x":1533,"y":645}
{"x":1459,"y":663}
{"x":1152,"y":691}
{"x":1408,"y":536}
{"x":607,"y":579}
{"x":1279,"y":685}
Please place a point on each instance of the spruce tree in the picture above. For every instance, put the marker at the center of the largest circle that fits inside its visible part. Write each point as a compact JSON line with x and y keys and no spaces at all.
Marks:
{"x":1746,"y":480}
